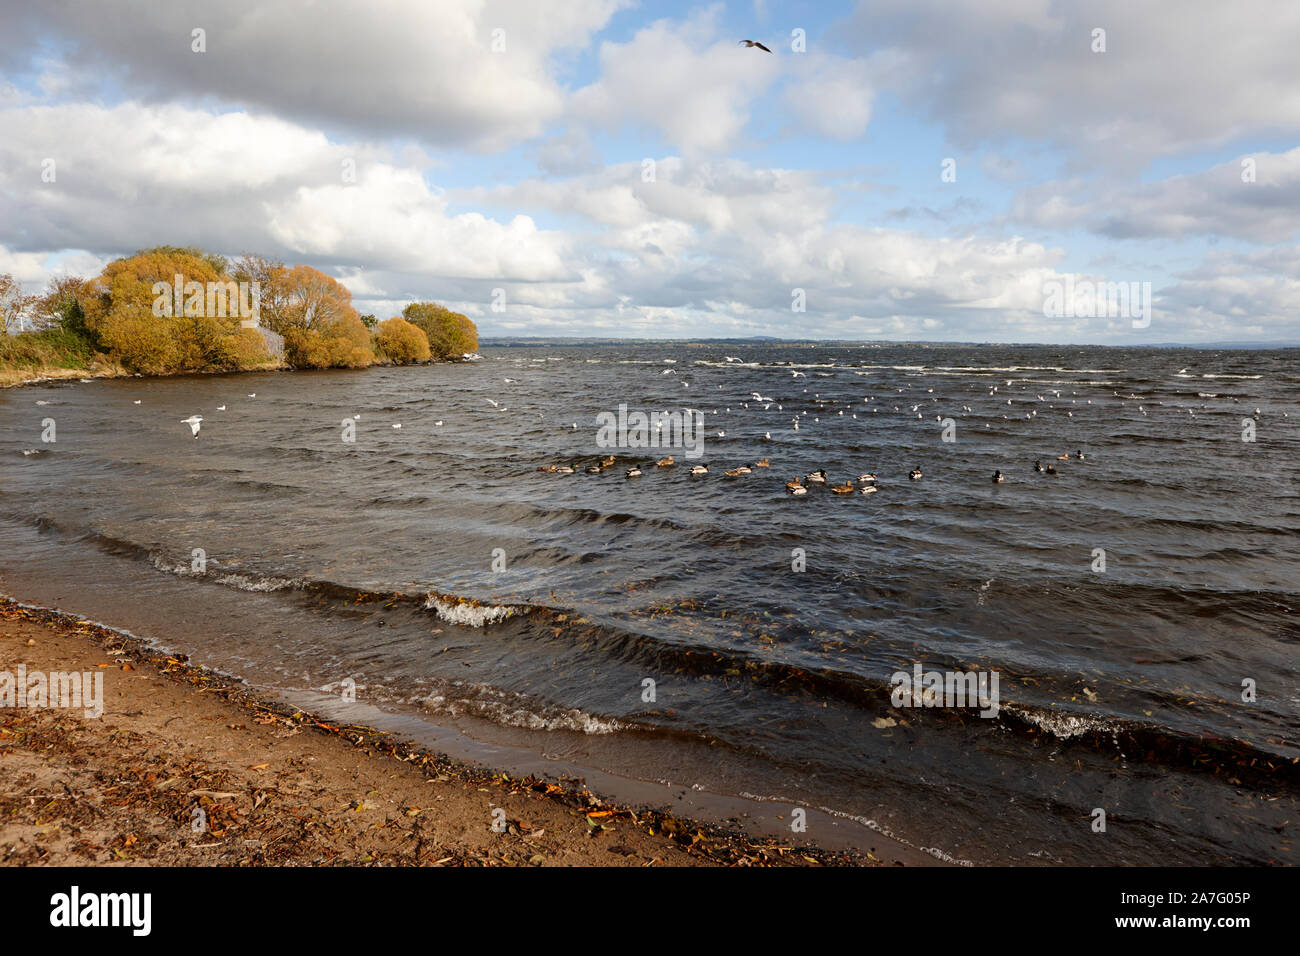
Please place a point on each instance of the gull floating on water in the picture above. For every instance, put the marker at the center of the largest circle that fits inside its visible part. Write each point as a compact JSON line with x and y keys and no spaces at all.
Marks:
{"x":193,"y":421}
{"x":221,"y":408}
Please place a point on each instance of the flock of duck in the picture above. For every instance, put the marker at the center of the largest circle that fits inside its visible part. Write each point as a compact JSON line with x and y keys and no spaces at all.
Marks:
{"x":635,"y":470}
{"x":866,"y":483}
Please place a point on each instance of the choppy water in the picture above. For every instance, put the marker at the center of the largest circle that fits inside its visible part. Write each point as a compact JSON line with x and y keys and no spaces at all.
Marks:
{"x":1119,"y":690}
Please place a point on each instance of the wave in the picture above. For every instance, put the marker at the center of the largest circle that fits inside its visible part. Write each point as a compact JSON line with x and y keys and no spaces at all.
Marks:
{"x":651,"y":648}
{"x":511,"y":709}
{"x":468,"y":613}
{"x":1215,"y":375}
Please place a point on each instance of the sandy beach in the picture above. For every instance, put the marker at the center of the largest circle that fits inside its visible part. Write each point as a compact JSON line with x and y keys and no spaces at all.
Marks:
{"x":281,"y":787}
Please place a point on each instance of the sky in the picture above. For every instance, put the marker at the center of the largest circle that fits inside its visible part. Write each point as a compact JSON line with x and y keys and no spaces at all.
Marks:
{"x":891,"y":170}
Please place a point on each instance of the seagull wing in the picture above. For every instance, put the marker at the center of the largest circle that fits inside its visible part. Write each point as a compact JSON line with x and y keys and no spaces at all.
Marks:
{"x":761,"y":47}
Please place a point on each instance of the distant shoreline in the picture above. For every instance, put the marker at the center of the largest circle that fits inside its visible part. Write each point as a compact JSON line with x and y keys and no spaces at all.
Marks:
{"x":580,"y":342}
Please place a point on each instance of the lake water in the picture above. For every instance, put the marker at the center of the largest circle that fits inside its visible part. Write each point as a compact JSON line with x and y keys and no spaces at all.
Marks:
{"x":326,"y":561}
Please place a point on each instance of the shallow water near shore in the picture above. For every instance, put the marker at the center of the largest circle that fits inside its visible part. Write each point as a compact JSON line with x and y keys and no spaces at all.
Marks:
{"x":329,"y":561}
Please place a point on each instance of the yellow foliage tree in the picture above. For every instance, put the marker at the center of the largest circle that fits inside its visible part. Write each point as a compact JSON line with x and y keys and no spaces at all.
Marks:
{"x":450,"y":334}
{"x":339,"y":343}
{"x":150,"y":332}
{"x":296,"y":297}
{"x":402,"y":342}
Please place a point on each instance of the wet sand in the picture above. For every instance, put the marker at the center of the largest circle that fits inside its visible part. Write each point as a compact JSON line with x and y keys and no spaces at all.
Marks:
{"x":188,"y":768}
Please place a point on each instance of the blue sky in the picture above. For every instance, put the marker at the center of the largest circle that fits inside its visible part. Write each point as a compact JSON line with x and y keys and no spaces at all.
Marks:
{"x":520,"y":166}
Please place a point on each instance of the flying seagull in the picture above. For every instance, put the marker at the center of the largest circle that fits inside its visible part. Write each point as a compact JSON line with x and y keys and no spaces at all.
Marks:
{"x":193,"y":421}
{"x":753,"y":43}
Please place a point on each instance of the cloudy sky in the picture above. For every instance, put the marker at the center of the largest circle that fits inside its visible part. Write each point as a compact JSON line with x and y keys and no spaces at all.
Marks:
{"x":623,"y":169}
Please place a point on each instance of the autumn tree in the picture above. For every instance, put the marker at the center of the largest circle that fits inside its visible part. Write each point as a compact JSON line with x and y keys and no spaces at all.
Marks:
{"x":402,"y":342}
{"x":144,"y":328}
{"x":268,"y":275}
{"x":335,"y":343}
{"x":61,"y":305}
{"x":312,"y":310}
{"x":450,"y":334}
{"x":15,"y":308}
{"x":295,"y":297}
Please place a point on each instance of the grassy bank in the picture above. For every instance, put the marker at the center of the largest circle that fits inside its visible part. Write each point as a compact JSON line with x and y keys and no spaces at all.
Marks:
{"x":54,"y":353}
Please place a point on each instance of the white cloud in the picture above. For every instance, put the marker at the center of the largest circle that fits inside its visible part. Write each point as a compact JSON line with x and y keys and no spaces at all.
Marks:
{"x":390,"y":216}
{"x":408,"y":66}
{"x":1214,"y":202}
{"x":683,"y":79}
{"x":134,"y":176}
{"x":1176,"y":75}
{"x":832,"y":96}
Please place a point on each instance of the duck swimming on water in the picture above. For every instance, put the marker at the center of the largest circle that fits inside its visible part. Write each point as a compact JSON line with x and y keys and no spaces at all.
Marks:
{"x":998,"y":478}
{"x":914,"y":474}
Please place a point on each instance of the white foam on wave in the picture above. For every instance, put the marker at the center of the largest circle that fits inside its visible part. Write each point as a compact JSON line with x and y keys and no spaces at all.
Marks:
{"x":241,"y":582}
{"x":469,"y":615}
{"x":1064,"y":726}
{"x":514,"y":710}
{"x":244,"y":582}
{"x":1028,"y":368}
{"x":1215,"y":375}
